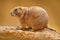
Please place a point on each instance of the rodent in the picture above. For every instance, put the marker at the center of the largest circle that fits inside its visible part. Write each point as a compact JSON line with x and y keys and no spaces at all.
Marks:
{"x":34,"y":17}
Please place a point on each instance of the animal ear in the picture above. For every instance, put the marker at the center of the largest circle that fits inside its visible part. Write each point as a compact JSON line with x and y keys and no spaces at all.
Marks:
{"x":20,"y":8}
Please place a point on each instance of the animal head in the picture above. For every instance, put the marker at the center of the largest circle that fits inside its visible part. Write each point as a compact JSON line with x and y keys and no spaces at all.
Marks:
{"x":18,"y":11}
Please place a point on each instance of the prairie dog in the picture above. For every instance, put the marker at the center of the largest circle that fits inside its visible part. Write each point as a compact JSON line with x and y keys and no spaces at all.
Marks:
{"x":31,"y":17}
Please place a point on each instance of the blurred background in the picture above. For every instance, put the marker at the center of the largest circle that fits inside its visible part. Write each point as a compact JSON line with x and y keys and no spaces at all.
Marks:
{"x":51,"y":6}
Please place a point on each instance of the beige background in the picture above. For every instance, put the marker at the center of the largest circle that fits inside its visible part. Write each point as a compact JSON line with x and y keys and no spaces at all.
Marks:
{"x":51,"y":6}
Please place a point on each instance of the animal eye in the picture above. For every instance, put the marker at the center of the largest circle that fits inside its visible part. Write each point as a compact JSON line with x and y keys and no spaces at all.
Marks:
{"x":15,"y":10}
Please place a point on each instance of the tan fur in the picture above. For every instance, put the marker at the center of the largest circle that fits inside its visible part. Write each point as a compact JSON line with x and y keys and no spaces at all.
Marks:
{"x":34,"y":17}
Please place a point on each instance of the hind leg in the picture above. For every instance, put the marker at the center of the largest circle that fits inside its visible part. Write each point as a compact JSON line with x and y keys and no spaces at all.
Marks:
{"x":38,"y":26}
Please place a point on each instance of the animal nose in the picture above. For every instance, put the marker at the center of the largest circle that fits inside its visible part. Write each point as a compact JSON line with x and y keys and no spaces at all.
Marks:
{"x":15,"y":10}
{"x":11,"y":14}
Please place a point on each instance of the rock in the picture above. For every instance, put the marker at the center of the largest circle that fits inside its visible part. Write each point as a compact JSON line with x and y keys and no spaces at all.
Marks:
{"x":11,"y":33}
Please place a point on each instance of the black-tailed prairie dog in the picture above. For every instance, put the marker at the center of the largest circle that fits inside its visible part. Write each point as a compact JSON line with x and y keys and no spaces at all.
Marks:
{"x":31,"y":17}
